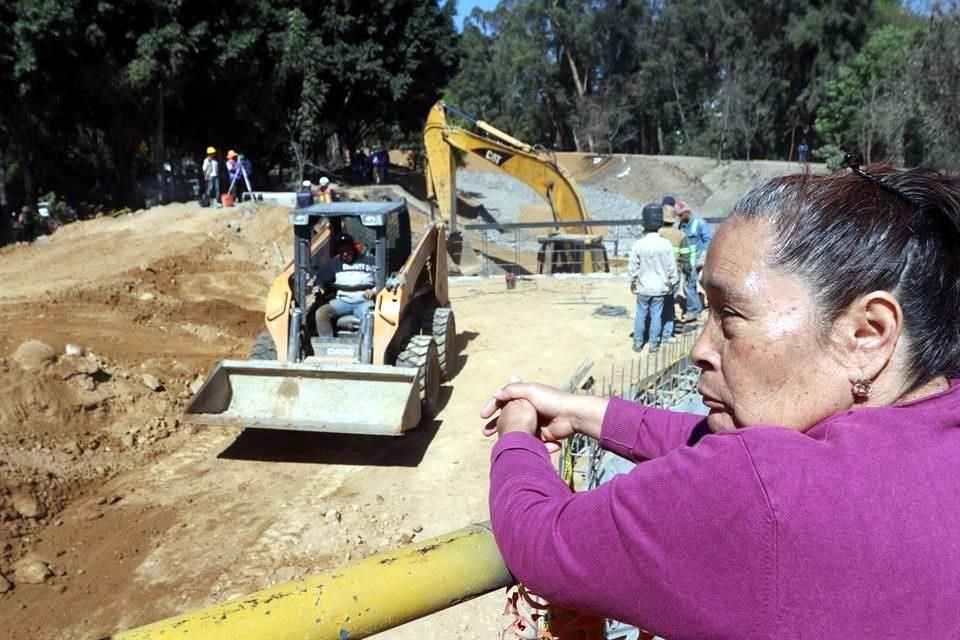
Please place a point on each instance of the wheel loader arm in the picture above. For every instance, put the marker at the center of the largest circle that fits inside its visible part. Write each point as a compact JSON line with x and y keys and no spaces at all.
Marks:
{"x":424,"y":272}
{"x":536,"y":169}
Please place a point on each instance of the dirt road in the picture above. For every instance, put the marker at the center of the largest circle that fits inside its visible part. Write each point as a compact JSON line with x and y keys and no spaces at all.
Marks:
{"x":140,"y":517}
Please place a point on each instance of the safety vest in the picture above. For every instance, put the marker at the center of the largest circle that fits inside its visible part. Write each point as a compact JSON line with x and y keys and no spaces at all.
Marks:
{"x":325,"y":196}
{"x":685,"y":252}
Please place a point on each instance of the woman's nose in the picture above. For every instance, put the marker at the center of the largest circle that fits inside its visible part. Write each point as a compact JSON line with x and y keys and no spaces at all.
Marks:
{"x":704,"y":351}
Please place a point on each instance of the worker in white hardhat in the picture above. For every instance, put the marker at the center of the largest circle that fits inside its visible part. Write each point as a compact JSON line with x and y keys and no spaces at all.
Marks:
{"x":324,"y":192}
{"x":305,"y":194}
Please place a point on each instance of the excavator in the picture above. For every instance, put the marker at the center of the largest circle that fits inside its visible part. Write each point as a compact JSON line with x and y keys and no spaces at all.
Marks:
{"x":575,"y":249}
{"x":380,"y":377}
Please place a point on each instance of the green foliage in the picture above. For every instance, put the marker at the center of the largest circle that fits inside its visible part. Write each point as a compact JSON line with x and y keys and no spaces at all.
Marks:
{"x":113,"y":88}
{"x":58,"y":208}
{"x":830,"y":154}
{"x":866,"y":104}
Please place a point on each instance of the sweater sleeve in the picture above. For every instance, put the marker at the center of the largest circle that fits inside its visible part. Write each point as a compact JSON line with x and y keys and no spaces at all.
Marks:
{"x":638,"y":432}
{"x":682,"y":546}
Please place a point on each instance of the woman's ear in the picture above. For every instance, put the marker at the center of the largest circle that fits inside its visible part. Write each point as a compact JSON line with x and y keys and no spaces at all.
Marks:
{"x":872,"y":328}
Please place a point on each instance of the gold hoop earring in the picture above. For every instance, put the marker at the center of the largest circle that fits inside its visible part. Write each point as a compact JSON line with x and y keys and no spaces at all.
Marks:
{"x":862,"y":388}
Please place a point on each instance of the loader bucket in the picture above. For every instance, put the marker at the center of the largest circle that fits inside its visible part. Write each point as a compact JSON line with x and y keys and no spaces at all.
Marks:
{"x":267,"y":394}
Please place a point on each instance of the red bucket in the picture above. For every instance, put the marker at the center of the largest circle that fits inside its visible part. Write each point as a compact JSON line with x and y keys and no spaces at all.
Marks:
{"x":226,"y":199}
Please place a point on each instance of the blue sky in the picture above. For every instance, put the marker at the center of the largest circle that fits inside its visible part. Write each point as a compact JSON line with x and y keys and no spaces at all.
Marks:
{"x":465,"y":7}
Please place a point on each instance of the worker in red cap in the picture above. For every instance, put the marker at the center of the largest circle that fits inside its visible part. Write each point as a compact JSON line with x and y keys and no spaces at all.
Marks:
{"x":698,"y":235}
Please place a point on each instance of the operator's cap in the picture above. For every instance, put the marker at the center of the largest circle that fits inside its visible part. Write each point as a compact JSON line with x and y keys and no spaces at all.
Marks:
{"x":231,"y":154}
{"x":668,"y":200}
{"x":342,"y":239}
{"x":324,"y":181}
{"x":682,"y":207}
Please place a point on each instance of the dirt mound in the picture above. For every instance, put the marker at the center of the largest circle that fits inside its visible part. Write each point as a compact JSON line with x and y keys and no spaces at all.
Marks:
{"x":648,"y":179}
{"x":150,"y":302}
{"x":68,"y":426}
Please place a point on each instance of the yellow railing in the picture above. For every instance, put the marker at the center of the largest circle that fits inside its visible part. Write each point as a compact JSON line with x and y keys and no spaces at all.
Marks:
{"x":354,"y":601}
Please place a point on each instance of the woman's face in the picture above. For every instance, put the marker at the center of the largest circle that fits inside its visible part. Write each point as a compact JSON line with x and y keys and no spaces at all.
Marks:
{"x":763,"y":359}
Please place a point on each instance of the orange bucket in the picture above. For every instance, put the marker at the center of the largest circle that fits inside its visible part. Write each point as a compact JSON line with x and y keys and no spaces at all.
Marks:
{"x":226,"y":199}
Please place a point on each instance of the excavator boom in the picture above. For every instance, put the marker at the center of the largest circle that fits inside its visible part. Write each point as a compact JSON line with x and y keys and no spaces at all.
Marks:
{"x":537,"y":169}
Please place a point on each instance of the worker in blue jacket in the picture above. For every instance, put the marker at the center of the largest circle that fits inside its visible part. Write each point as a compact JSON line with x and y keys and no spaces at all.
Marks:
{"x":699,"y":236}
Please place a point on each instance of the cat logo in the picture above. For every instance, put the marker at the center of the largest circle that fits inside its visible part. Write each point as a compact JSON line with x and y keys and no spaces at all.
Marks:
{"x":496,"y":157}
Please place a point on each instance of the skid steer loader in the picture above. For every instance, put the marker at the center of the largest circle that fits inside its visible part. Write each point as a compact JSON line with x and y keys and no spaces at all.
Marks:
{"x":382,"y":380}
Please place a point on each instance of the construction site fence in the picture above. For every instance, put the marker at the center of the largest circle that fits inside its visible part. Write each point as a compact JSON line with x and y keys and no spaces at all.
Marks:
{"x":666,"y":378}
{"x":517,"y":248}
{"x":388,"y":589}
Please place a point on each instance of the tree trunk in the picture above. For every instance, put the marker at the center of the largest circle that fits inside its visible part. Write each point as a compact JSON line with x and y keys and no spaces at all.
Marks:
{"x":3,"y":182}
{"x":683,"y":118}
{"x":793,"y":133}
{"x":581,"y":87}
{"x":29,"y":194}
{"x":158,"y":143}
{"x":723,"y":129}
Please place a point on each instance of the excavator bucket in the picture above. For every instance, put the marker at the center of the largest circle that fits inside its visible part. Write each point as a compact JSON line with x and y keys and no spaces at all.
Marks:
{"x":266,"y":394}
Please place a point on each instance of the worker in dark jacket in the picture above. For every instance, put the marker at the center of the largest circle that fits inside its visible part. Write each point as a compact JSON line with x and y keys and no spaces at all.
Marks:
{"x":352,"y":275}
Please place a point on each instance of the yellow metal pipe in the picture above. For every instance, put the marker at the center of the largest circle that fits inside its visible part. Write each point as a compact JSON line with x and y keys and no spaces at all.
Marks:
{"x":354,"y":601}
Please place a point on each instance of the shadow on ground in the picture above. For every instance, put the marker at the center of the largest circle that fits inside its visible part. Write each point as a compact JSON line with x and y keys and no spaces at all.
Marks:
{"x":272,"y":445}
{"x":275,"y":445}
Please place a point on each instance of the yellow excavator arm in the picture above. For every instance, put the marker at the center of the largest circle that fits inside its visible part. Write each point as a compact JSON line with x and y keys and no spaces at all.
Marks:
{"x":535,"y":168}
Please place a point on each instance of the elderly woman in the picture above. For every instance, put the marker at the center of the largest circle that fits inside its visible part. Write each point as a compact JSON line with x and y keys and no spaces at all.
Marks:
{"x":820,"y":498}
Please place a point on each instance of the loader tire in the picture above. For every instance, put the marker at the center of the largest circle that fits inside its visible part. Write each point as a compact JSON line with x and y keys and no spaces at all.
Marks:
{"x":421,"y":353}
{"x":441,"y":324}
{"x":264,"y":347}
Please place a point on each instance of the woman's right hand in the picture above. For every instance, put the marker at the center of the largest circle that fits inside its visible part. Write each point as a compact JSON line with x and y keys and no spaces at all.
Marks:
{"x":560,"y":414}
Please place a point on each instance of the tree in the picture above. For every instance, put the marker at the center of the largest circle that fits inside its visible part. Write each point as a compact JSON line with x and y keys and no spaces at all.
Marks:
{"x":868,"y":101}
{"x":935,"y":67}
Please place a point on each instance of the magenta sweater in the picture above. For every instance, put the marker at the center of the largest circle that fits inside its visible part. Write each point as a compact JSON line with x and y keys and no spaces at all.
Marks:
{"x":850,"y":530}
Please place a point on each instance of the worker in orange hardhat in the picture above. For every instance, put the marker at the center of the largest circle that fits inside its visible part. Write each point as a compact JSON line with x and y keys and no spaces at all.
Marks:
{"x":211,"y":175}
{"x":233,"y":171}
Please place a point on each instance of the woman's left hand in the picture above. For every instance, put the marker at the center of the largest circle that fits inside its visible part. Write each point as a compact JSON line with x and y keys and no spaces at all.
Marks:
{"x":516,"y":415}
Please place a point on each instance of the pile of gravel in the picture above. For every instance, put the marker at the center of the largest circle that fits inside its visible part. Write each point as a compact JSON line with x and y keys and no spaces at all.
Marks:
{"x":504,"y":196}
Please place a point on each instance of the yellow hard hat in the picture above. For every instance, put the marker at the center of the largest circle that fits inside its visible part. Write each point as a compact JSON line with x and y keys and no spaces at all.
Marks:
{"x":211,"y":151}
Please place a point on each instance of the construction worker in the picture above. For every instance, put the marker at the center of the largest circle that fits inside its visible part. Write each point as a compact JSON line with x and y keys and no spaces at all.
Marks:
{"x":26,"y":224}
{"x":353,"y":275}
{"x":324,"y":192}
{"x":211,"y":176}
{"x":234,"y":175}
{"x":684,"y":255}
{"x":698,"y":234}
{"x":653,"y":274}
{"x":305,"y":195}
{"x":380,"y":160}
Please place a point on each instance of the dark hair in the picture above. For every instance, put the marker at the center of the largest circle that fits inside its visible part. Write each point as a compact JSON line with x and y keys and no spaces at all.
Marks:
{"x":845,"y":235}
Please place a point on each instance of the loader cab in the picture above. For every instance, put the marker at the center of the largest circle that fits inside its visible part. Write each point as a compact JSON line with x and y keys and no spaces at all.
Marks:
{"x":383,"y":231}
{"x":395,"y":231}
